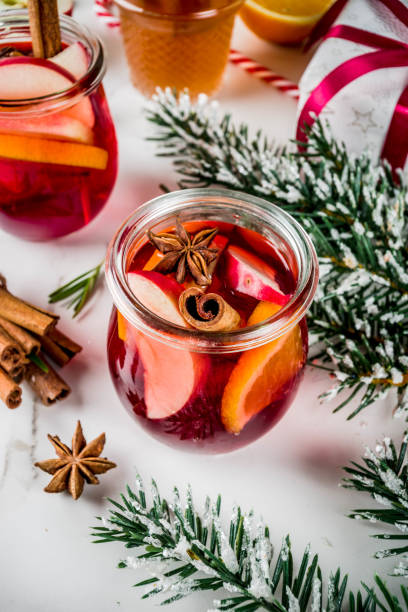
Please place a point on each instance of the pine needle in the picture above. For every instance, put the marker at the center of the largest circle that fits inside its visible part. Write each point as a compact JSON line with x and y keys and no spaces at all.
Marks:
{"x":383,"y":475}
{"x":169,"y":543}
{"x":354,"y":211}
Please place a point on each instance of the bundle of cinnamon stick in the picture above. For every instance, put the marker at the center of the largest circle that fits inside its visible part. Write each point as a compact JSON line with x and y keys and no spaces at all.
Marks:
{"x":26,"y":331}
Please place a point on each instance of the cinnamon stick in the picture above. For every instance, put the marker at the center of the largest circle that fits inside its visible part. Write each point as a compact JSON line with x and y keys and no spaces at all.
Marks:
{"x":18,"y":374}
{"x":207,"y":311}
{"x":24,"y":314}
{"x":49,"y":386}
{"x":11,"y":355}
{"x":66,"y":343}
{"x":10,"y":391}
{"x":27,"y":341}
{"x":44,"y":27}
{"x":59,"y":347}
{"x":54,"y":351}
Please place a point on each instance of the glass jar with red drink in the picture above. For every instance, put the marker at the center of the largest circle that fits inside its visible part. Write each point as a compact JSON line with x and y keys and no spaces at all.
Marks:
{"x":58,"y":149}
{"x":187,"y":384}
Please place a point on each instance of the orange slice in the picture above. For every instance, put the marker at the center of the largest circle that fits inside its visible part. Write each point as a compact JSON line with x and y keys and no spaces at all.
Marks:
{"x":154,"y":260}
{"x":257,"y":379}
{"x":122,"y":327}
{"x":283,"y":21}
{"x":47,"y":151}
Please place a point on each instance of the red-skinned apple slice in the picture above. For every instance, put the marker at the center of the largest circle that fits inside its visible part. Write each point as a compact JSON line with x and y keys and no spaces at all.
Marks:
{"x":33,"y":77}
{"x":56,"y":125}
{"x":171,"y":375}
{"x":248,"y":274}
{"x":64,"y":6}
{"x":74,"y":59}
{"x":158,"y":293}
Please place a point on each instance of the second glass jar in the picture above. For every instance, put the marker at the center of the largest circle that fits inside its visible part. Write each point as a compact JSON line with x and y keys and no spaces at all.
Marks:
{"x":177,"y":44}
{"x":58,"y":149}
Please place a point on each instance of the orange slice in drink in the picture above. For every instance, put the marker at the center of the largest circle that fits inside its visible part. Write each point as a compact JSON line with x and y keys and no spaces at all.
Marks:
{"x":122,"y":327}
{"x":283,"y":21}
{"x":47,"y":151}
{"x":258,"y":378}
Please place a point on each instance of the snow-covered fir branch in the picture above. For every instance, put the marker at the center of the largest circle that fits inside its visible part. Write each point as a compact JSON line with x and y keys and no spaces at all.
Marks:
{"x":383,"y":474}
{"x":353,"y":209}
{"x":184,"y":551}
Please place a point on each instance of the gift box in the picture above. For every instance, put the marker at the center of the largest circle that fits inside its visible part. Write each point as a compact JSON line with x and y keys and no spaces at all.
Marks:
{"x":358,"y":78}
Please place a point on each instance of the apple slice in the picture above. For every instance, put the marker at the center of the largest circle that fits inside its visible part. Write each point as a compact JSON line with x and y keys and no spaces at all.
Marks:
{"x":171,"y":376}
{"x":248,"y":274}
{"x":158,"y":293}
{"x":64,"y":6}
{"x":33,"y":77}
{"x":56,"y":125}
{"x":74,"y":59}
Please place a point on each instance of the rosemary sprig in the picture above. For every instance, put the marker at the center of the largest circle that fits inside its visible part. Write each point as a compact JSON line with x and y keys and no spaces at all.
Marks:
{"x":383,"y":474}
{"x":185,"y":551}
{"x":38,"y":362}
{"x":80,"y":289}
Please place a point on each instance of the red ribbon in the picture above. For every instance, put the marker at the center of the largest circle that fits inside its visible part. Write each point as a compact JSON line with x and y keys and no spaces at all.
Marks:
{"x":389,"y":53}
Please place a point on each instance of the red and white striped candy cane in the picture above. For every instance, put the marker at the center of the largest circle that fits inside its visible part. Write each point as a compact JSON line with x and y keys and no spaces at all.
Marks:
{"x":104,"y":12}
{"x":264,"y":74}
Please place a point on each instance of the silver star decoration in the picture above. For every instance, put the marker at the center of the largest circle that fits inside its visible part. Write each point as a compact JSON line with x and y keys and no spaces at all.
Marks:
{"x":364,"y":121}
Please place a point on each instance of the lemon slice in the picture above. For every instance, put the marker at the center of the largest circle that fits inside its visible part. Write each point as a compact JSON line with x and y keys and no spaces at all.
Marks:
{"x":283,"y":21}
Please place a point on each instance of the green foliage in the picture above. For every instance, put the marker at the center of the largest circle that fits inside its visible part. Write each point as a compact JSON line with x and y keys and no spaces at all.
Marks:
{"x":383,"y":474}
{"x":355,"y":213}
{"x":185,"y":551}
{"x":77,"y":292}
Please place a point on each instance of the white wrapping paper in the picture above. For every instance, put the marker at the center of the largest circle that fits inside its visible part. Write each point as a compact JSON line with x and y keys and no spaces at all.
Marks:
{"x":361,"y":112}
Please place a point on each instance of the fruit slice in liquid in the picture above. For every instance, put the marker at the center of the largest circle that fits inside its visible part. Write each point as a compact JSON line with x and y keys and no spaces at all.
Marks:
{"x":258,"y":378}
{"x":26,"y":148}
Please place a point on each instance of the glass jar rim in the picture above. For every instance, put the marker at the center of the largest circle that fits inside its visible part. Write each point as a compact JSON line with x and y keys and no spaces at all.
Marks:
{"x":229,"y":6}
{"x":175,"y":204}
{"x":18,"y":18}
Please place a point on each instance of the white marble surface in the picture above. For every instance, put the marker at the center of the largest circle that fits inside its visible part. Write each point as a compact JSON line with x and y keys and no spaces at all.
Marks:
{"x":291,"y":476}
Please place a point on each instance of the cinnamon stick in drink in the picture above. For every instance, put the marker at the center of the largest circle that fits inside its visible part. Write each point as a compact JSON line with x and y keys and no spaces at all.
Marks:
{"x":208,"y":311}
{"x":49,"y":386}
{"x":27,"y":341}
{"x":11,"y":355}
{"x":21,"y":313}
{"x":10,"y":391}
{"x":44,"y":27}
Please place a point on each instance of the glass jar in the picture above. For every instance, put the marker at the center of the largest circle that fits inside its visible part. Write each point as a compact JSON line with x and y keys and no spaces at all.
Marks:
{"x":58,"y":150}
{"x":177,"y":44}
{"x":232,"y":387}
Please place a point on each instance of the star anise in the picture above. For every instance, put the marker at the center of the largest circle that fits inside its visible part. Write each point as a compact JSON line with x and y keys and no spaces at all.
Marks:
{"x":184,"y":252}
{"x":74,"y":467}
{"x":9,"y":52}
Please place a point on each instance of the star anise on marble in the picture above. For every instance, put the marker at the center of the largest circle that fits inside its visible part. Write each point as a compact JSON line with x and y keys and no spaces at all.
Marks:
{"x":75,"y":466}
{"x":185,"y":252}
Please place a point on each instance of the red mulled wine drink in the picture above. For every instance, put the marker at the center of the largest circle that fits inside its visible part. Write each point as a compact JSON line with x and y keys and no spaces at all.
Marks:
{"x":58,"y":150}
{"x":207,"y":340}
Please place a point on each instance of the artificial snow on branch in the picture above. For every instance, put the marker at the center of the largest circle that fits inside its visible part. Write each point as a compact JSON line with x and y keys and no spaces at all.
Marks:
{"x":383,"y":474}
{"x":184,"y":551}
{"x":353,"y":209}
